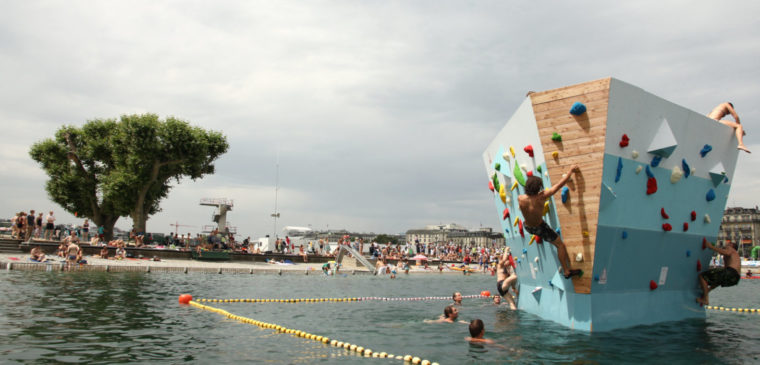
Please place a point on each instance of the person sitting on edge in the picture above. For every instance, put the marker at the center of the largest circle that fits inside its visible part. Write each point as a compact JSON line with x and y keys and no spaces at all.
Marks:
{"x":749,"y":273}
{"x":62,"y":249}
{"x":477,"y":331}
{"x":37,"y":254}
{"x":506,"y":278}
{"x":121,"y":253}
{"x":532,"y":207}
{"x":450,"y":315}
{"x":104,"y":253}
{"x":720,"y":276}
{"x":457,"y":297}
{"x":721,"y":111}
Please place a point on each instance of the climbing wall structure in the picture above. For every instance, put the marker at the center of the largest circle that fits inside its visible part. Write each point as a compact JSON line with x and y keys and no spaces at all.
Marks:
{"x":653,"y":183}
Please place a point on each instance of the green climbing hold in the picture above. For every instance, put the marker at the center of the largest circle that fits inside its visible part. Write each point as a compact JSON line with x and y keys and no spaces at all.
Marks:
{"x":497,"y":166}
{"x":556,"y":137}
{"x":518,"y":174}
{"x":496,"y":184}
{"x":538,"y":168}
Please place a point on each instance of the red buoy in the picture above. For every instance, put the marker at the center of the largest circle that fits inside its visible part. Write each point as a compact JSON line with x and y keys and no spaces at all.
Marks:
{"x":185,"y":298}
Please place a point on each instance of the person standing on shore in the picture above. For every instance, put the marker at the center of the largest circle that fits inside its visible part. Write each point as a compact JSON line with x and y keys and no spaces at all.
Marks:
{"x":49,"y":226}
{"x":29,"y":225}
{"x":38,"y":226}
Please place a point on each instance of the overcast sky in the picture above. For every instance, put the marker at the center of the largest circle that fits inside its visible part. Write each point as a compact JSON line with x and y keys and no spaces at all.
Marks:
{"x":378,"y":110}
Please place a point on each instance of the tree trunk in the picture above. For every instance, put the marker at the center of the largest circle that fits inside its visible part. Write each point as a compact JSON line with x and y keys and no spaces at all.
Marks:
{"x":107,"y":223}
{"x":139,"y":220}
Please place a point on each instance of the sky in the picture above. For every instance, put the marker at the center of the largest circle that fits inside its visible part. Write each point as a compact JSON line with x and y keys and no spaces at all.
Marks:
{"x":375,"y":113}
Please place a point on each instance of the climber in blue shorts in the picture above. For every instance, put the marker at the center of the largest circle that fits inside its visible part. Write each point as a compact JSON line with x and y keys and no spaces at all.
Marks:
{"x":532,"y":208}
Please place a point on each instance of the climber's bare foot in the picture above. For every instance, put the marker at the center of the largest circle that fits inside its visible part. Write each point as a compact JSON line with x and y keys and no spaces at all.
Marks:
{"x":743,"y":148}
{"x":702,"y":301}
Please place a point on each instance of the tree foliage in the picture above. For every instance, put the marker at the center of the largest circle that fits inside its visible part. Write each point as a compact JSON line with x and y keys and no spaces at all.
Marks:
{"x":112,"y":168}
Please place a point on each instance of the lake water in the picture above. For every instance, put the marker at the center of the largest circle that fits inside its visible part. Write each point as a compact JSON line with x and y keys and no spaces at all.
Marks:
{"x":92,"y":317}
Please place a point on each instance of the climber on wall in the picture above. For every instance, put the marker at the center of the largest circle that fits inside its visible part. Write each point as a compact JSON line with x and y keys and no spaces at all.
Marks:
{"x":532,"y":208}
{"x":720,"y":276}
{"x":721,"y":111}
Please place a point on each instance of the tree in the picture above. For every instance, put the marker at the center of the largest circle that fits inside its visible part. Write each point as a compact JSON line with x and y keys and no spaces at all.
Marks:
{"x":112,"y":168}
{"x":383,"y":238}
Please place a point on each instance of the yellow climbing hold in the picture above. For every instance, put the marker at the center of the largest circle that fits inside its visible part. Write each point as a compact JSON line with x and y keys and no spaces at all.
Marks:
{"x":517,"y":220}
{"x":512,"y":151}
{"x":546,"y":207}
{"x":503,"y":194}
{"x":532,"y":239}
{"x":513,"y":186}
{"x":555,"y":154}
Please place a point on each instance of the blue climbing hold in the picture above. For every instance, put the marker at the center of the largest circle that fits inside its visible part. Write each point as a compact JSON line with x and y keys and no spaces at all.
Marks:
{"x":525,"y":250}
{"x":550,"y":283}
{"x":725,"y":180}
{"x":596,"y":277}
{"x":649,"y":173}
{"x":578,"y":108}
{"x":619,"y":169}
{"x":686,"y":168}
{"x":518,"y":261}
{"x":688,"y":253}
{"x":565,"y":194}
{"x":705,"y":150}
{"x":625,"y":234}
{"x":506,"y":230}
{"x":656,"y":161}
{"x":710,"y":195}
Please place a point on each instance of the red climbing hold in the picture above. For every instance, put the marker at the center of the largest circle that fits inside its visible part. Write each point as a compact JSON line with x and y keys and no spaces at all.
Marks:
{"x":704,"y":243}
{"x":529,"y":150}
{"x":520,"y":226}
{"x":651,"y":186}
{"x":663,"y":214}
{"x":693,"y":216}
{"x":624,"y":141}
{"x":685,"y":226}
{"x":490,"y":185}
{"x":652,"y":285}
{"x":506,"y":213}
{"x":667,"y":227}
{"x":530,"y":173}
{"x":699,"y":266}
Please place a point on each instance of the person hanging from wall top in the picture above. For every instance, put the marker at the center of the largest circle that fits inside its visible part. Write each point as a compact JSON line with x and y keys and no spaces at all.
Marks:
{"x":720,"y":276}
{"x":532,"y":208}
{"x":721,"y":111}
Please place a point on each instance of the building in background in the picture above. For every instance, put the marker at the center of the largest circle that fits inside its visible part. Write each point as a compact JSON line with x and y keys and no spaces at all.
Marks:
{"x":456,"y":234}
{"x":740,"y":225}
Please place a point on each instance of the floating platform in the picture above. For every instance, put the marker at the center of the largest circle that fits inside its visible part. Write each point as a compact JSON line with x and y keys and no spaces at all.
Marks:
{"x":653,"y":183}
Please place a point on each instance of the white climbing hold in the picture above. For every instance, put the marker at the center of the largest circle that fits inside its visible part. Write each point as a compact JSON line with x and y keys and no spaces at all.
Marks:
{"x":707,"y":218}
{"x":546,"y":174}
{"x":676,"y":175}
{"x":635,"y":154}
{"x":505,"y":156}
{"x":579,"y":257}
{"x":693,"y":171}
{"x":524,"y":167}
{"x":536,"y":259}
{"x":638,"y":169}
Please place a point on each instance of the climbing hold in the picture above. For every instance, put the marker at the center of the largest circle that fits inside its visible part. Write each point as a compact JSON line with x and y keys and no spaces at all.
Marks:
{"x":530,"y":173}
{"x":686,"y":168}
{"x":517,"y":219}
{"x":705,"y":150}
{"x":495,"y":180}
{"x":490,"y":185}
{"x":652,"y":285}
{"x":638,"y":169}
{"x":525,"y":250}
{"x":546,"y":207}
{"x":512,"y":151}
{"x":536,"y":259}
{"x":520,"y":226}
{"x":707,"y":218}
{"x":635,"y":154}
{"x":667,"y":227}
{"x":625,"y":234}
{"x":699,"y":266}
{"x":532,"y":239}
{"x":514,"y":185}
{"x":505,"y":214}
{"x":524,"y":167}
{"x":585,"y":234}
{"x":596,"y":277}
{"x":497,"y":166}
{"x":649,"y":172}
{"x":505,"y":156}
{"x":693,"y":216}
{"x":651,"y":186}
{"x":624,"y":141}
{"x":710,"y":195}
{"x":579,"y":257}
{"x":539,"y":240}
{"x":539,"y":168}
{"x":685,"y":226}
{"x":555,"y":155}
{"x":663,"y":214}
{"x":578,"y":108}
{"x":688,"y":253}
{"x":519,"y":260}
{"x":704,"y":243}
{"x":676,"y":174}
{"x":565,"y":194}
{"x":503,"y":194}
{"x":656,"y":160}
{"x":619,"y":169}
{"x":518,"y":175}
{"x":529,"y":150}
{"x":556,"y":137}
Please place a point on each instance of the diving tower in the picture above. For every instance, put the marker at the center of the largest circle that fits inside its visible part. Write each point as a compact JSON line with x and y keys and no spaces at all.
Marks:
{"x":653,"y":184}
{"x":223,"y":205}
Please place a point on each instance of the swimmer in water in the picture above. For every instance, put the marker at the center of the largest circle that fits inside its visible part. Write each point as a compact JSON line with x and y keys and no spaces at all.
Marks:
{"x":450,"y":315}
{"x":477,"y":331}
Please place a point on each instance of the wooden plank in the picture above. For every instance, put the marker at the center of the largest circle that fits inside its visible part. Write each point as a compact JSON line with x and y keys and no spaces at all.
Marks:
{"x":570,"y":91}
{"x":554,"y":110}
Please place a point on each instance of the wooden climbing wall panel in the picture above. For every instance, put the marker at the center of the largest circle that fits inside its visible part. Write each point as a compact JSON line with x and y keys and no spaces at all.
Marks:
{"x":583,"y":139}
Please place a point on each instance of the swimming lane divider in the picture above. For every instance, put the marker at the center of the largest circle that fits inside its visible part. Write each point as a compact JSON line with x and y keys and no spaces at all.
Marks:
{"x":320,"y":300}
{"x":366,"y":352}
{"x":744,"y":310}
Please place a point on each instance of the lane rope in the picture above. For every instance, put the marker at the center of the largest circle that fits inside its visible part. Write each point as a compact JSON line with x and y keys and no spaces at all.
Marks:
{"x":322,"y":300}
{"x":361,"y":350}
{"x":730,"y":309}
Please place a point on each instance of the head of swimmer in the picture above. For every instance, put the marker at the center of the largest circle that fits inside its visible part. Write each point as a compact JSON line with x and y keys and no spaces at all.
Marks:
{"x":477,"y":329}
{"x":457,"y":297}
{"x":451,"y":312}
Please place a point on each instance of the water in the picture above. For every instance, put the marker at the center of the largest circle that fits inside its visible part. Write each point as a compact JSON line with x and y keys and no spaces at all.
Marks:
{"x":94,"y":317}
